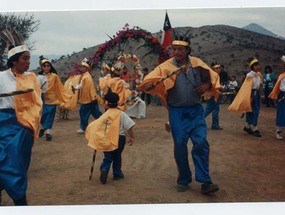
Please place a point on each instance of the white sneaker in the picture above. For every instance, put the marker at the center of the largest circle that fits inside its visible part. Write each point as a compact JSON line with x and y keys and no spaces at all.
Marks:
{"x":80,"y":131}
{"x":279,"y":136}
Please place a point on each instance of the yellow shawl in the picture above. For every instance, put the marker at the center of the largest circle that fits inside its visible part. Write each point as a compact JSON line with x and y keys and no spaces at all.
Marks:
{"x":242,"y":101}
{"x":166,"y":68}
{"x":103,"y":133}
{"x":28,"y":107}
{"x":276,"y":90}
{"x":71,"y":81}
{"x":55,"y":92}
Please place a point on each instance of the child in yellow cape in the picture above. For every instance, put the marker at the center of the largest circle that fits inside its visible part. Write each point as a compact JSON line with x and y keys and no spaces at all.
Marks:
{"x":107,"y":134}
{"x":248,"y":98}
{"x":278,"y":93}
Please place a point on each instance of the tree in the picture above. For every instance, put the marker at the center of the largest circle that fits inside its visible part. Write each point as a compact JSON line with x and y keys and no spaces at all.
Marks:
{"x":25,"y":24}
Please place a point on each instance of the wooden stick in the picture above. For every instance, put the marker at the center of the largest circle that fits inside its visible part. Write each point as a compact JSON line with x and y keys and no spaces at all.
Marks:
{"x":93,"y":163}
{"x":17,"y":92}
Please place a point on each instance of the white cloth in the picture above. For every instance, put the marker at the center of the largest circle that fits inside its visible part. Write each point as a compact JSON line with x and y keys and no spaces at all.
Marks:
{"x":43,"y":83}
{"x":256,"y":81}
{"x":232,"y":85}
{"x":7,"y":84}
{"x":125,"y":123}
{"x":282,"y":85}
{"x":137,"y":110}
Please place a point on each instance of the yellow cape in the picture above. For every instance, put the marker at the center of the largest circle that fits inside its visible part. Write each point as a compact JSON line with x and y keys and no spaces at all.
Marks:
{"x":117,"y":86}
{"x":28,"y":106}
{"x":72,"y":103}
{"x":55,"y":93}
{"x":276,"y":90}
{"x":166,"y":68}
{"x":242,"y":101}
{"x":103,"y":133}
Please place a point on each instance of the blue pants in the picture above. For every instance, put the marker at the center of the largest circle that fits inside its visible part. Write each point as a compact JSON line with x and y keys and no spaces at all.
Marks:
{"x":15,"y":153}
{"x":280,"y":116}
{"x":86,"y":110}
{"x":48,"y":115}
{"x":213,"y":107}
{"x":185,"y":123}
{"x":252,"y":117}
{"x":114,"y":157}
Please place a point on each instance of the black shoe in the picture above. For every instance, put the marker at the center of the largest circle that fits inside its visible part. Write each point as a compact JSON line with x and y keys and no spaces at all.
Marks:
{"x":20,"y":202}
{"x":256,"y":133}
{"x":118,"y":177}
{"x":248,"y":130}
{"x":209,"y":188}
{"x":218,"y":128}
{"x":48,"y":137}
{"x":42,"y":132}
{"x":103,"y":176}
{"x":182,"y":188}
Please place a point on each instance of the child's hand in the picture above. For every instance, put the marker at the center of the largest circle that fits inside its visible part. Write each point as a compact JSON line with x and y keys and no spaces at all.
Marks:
{"x":131,"y":141}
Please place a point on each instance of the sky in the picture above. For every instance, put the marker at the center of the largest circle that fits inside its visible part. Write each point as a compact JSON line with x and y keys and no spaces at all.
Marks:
{"x":64,"y":30}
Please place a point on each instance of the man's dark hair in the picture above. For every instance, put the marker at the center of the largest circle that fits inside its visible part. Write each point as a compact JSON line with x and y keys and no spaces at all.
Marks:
{"x":112,"y":99}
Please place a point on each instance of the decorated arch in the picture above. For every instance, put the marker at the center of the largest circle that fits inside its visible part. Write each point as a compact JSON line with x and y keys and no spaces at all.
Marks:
{"x":123,"y":36}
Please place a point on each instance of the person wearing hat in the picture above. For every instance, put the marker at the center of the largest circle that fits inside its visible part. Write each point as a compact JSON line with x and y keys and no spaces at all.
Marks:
{"x":88,"y":97}
{"x":248,"y":98}
{"x":53,"y":93}
{"x":107,"y":134}
{"x":19,"y":120}
{"x":185,"y":79}
{"x":116,"y":85}
{"x":213,"y":106}
{"x":278,"y":93}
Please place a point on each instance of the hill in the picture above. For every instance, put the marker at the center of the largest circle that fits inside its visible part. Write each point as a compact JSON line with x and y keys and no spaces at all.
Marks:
{"x":231,"y":46}
{"x":259,"y":29}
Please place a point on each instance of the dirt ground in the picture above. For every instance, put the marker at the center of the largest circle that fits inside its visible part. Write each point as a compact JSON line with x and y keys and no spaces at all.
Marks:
{"x":247,"y":168}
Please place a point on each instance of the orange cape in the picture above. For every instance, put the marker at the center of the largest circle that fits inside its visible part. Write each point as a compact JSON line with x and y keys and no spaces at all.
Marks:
{"x":242,"y":101}
{"x":166,"y":68}
{"x":28,"y":107}
{"x":276,"y":90}
{"x":103,"y":133}
{"x":55,"y":92}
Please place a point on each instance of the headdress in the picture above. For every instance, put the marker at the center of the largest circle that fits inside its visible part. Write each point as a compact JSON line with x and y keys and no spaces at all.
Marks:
{"x":215,"y":65}
{"x":85,"y":62}
{"x":15,"y":39}
{"x":181,"y":41}
{"x":43,"y":60}
{"x":252,"y":61}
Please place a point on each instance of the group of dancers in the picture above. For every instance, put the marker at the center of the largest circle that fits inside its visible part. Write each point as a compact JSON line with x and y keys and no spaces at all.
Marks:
{"x":28,"y":105}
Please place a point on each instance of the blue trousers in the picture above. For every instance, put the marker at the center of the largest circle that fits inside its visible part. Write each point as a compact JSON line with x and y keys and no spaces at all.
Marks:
{"x":185,"y":123}
{"x":86,"y":110}
{"x":114,"y":157}
{"x":48,"y":114}
{"x":213,"y":107}
{"x":280,"y":116}
{"x":15,"y":153}
{"x":252,"y":117}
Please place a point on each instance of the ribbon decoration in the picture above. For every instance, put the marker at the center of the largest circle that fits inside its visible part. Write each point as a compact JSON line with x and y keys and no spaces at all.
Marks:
{"x":17,"y":92}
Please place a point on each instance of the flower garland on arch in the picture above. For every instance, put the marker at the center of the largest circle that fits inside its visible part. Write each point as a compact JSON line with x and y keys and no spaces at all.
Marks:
{"x":122,"y":36}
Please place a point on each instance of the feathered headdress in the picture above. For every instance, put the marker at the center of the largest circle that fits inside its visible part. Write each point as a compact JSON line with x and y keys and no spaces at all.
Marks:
{"x":85,"y":62}
{"x":15,"y":39}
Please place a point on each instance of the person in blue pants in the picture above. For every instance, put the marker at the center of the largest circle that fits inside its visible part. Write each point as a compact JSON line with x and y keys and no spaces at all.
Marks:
{"x":213,"y":106}
{"x":181,"y":94}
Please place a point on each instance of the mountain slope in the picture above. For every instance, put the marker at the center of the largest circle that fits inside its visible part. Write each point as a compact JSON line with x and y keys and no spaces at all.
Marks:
{"x":261,"y":30}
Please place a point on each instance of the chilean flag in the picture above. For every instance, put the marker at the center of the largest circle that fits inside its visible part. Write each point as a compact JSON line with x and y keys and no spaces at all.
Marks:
{"x":166,"y":38}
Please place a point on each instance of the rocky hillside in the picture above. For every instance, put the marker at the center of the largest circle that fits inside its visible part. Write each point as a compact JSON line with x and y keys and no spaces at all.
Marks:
{"x":228,"y":45}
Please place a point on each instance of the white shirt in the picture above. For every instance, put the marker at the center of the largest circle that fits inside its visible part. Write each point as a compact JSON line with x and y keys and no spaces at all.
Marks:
{"x":232,"y":85}
{"x":282,"y":85}
{"x":43,"y":83}
{"x":125,"y":123}
{"x":256,"y":81}
{"x":8,"y":84}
